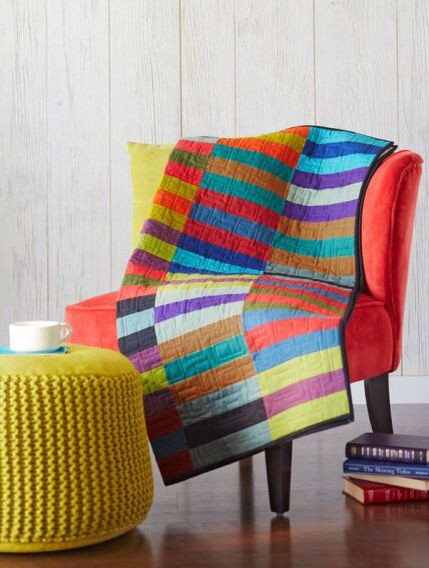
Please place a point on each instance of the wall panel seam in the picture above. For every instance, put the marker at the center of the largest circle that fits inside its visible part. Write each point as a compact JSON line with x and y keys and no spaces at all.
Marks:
{"x":48,"y":304}
{"x":314,"y":65}
{"x":180,"y":70}
{"x":109,"y":71}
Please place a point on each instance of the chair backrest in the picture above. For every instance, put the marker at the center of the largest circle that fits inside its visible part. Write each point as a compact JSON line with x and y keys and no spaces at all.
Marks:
{"x":387,"y":226}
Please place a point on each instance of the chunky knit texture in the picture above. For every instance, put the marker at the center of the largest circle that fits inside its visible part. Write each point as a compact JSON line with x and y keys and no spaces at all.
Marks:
{"x":74,"y":461}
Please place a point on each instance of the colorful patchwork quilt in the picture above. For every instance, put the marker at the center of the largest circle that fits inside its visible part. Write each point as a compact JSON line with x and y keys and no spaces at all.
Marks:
{"x":234,"y":302}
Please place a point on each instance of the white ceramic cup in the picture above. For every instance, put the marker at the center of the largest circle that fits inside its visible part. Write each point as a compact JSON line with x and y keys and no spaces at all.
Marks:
{"x":28,"y":336}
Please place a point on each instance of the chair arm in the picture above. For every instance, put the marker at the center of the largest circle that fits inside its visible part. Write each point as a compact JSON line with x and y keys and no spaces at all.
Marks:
{"x":387,"y":226}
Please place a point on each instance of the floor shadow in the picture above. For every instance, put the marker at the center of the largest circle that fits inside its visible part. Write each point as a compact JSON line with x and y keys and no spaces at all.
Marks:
{"x":125,"y":550}
{"x":242,"y":542}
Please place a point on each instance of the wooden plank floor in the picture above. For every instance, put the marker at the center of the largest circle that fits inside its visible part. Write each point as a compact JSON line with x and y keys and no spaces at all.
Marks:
{"x":222,"y":518}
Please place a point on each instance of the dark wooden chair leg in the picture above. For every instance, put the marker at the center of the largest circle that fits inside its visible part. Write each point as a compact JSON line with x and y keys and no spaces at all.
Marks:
{"x":378,"y":403}
{"x":246,"y":463}
{"x":279,"y":469}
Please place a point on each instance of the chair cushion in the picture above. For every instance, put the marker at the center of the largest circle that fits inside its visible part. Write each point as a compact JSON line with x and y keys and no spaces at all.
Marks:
{"x":94,"y":321}
{"x":147,"y":166}
{"x":368,"y":339}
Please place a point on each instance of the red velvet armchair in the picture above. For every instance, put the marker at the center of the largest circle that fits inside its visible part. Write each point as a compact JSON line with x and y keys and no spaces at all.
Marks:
{"x":373,"y":332}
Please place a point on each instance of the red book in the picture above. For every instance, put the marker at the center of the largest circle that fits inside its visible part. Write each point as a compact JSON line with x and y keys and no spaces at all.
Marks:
{"x":370,"y":493}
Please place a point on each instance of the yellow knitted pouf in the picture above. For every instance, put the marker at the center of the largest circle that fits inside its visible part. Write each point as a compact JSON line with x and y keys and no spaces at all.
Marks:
{"x":74,"y":459}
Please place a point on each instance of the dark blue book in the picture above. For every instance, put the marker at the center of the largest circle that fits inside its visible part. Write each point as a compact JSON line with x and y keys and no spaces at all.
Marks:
{"x":398,"y":448}
{"x":386,"y":468}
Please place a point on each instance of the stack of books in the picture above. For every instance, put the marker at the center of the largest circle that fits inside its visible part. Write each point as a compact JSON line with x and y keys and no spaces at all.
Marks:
{"x":387,"y":468}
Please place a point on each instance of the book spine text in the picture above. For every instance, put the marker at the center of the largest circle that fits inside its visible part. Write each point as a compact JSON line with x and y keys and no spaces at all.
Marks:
{"x":401,"y":455}
{"x":394,"y":495}
{"x":385,"y":469}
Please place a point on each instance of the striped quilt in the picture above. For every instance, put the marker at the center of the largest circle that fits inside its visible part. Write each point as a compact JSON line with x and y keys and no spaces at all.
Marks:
{"x":233,"y":304}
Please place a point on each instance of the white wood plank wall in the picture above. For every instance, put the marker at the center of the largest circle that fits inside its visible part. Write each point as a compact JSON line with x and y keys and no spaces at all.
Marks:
{"x":81,"y":77}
